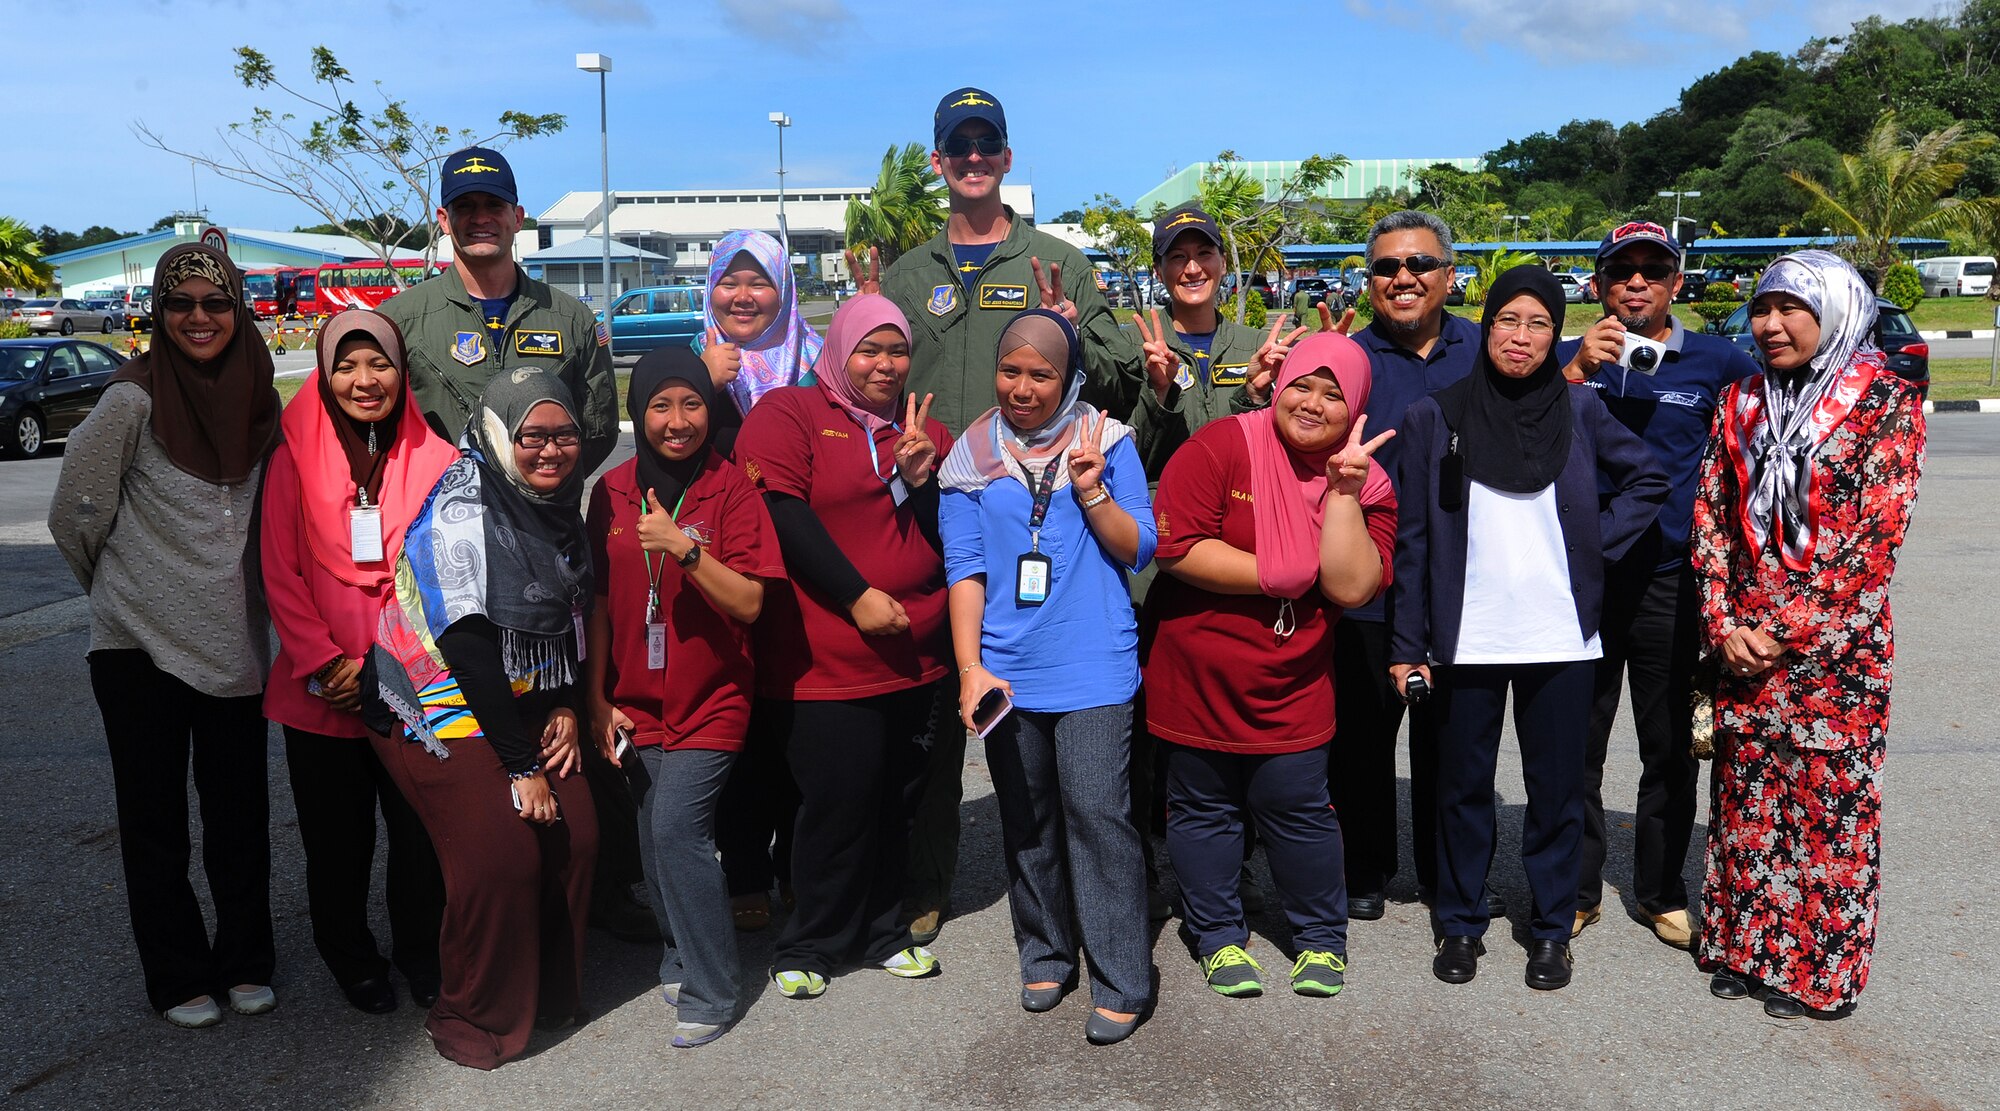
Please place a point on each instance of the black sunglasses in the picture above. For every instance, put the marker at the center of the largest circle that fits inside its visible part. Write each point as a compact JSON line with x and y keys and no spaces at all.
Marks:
{"x":1417,"y":265}
{"x":958,"y":146}
{"x":1617,"y":273}
{"x":214,"y":305}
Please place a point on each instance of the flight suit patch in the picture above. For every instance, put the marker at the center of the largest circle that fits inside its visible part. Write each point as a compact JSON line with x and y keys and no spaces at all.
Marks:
{"x":470,"y":348}
{"x":538,"y":343}
{"x":944,"y":298}
{"x":1233,"y":374}
{"x":1012,"y":298}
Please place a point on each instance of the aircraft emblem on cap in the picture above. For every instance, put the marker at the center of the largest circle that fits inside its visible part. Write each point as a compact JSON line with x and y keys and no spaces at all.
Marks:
{"x":475,"y":166}
{"x":973,"y":99}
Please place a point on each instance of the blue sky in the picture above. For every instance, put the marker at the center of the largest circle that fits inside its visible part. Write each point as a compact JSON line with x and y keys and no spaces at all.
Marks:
{"x":1100,"y":96}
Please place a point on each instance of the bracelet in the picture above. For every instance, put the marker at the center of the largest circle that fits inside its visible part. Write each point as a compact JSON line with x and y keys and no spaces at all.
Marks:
{"x":531,"y":773}
{"x":1096,"y":499}
{"x":323,"y":672}
{"x":966,"y":668}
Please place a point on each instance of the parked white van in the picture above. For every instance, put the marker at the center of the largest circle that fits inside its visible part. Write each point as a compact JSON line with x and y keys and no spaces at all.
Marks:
{"x":1957,"y":275}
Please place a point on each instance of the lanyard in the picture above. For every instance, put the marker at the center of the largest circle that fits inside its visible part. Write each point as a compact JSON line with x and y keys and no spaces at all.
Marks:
{"x":653,"y":575}
{"x":874,"y":462}
{"x":1042,"y":490}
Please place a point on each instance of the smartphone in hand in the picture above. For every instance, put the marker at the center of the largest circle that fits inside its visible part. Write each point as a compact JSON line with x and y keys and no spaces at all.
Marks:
{"x":993,"y":706}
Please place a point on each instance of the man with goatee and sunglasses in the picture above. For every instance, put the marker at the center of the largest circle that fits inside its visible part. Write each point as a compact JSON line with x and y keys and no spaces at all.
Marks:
{"x":1666,"y":393}
{"x":1414,"y":348}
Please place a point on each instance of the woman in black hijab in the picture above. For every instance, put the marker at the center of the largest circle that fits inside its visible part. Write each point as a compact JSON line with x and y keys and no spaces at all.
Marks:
{"x":682,"y":544}
{"x":1500,"y":583}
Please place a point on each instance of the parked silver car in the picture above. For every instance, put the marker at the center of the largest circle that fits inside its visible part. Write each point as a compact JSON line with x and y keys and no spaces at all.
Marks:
{"x":57,"y":314}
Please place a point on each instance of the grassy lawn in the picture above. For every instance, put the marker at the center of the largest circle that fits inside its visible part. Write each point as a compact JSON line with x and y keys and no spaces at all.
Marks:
{"x":1961,"y":379}
{"x":1941,"y":313}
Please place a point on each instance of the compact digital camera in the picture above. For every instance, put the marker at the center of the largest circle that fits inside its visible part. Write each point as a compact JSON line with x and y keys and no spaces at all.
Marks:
{"x":1642,"y":354}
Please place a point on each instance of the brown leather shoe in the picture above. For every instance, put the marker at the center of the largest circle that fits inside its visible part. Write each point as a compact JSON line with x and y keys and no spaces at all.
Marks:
{"x":751,"y":912}
{"x":1586,"y":918}
{"x":1673,"y":928}
{"x":924,"y":927}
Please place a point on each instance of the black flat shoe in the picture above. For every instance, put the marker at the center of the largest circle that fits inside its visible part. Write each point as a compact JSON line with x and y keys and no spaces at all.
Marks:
{"x":1037,"y":1000}
{"x":375,"y":995}
{"x":1548,"y":965}
{"x":1783,"y":1006}
{"x":424,"y":989}
{"x":1366,"y":908}
{"x":1457,"y":960}
{"x":1106,"y":1031}
{"x":1729,"y":985}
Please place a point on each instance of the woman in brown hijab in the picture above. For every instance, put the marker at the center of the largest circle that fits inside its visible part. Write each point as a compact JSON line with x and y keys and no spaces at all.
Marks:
{"x":173,"y":456}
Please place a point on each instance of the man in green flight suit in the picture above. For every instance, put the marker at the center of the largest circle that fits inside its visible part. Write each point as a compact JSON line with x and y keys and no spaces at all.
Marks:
{"x":485,"y":315}
{"x":959,"y":292}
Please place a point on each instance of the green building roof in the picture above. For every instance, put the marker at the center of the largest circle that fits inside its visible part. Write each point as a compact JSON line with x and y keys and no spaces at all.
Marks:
{"x":1363,"y":176}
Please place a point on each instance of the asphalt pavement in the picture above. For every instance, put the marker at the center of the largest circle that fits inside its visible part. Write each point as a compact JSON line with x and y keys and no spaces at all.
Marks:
{"x":1637,"y":1028}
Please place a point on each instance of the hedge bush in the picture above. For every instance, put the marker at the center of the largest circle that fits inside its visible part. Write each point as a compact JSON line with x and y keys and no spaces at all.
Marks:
{"x":1718,"y":301}
{"x":1903,"y":286}
{"x":11,"y":330}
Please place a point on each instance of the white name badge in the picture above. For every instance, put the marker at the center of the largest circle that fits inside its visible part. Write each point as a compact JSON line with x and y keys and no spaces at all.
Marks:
{"x":364,"y":533}
{"x":656,"y":646}
{"x":1031,"y":577}
{"x":897,"y":491}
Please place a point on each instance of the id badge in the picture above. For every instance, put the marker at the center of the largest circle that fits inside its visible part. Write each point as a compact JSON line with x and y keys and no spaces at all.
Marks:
{"x":1031,"y":579}
{"x":576,"y":619}
{"x":364,"y":533}
{"x":898,"y":492}
{"x":656,"y":646}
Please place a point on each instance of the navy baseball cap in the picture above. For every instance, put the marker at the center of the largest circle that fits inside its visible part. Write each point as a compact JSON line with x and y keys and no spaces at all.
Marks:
{"x":1638,"y":231}
{"x":476,"y":170}
{"x":965,"y":104}
{"x":1186,"y":218}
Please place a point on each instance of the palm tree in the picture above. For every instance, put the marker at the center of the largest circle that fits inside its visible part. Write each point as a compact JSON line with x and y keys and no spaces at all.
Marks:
{"x":21,"y":256}
{"x":1896,"y":186}
{"x":1489,"y":267}
{"x":905,"y":209}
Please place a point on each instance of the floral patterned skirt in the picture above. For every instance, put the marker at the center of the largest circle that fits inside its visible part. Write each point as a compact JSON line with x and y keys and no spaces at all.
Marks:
{"x":1794,"y":855}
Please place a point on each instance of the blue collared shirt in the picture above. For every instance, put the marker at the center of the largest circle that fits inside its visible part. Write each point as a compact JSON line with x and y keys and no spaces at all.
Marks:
{"x":1672,"y":410}
{"x":1401,"y":378}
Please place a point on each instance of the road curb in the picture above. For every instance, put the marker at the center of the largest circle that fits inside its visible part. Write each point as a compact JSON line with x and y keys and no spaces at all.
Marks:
{"x":1959,"y":333}
{"x":1980,"y":405}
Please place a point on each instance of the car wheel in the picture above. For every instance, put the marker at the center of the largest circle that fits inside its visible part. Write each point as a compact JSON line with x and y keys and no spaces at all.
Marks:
{"x":69,"y":327}
{"x":25,"y":437}
{"x":104,"y":326}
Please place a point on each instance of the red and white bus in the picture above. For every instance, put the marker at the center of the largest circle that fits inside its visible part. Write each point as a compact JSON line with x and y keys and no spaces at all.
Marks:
{"x":271,"y":290}
{"x":325,"y":290}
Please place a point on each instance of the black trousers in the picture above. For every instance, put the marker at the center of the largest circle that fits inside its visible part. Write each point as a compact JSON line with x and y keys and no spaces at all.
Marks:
{"x":1551,"y":701}
{"x":1361,"y":765}
{"x":156,"y":726}
{"x":760,"y":804}
{"x":618,"y":866}
{"x":1649,"y":634}
{"x":860,"y":767}
{"x":337,"y":782}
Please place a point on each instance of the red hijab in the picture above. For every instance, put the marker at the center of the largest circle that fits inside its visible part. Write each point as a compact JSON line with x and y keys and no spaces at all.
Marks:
{"x":322,"y":444}
{"x":1289,"y":485}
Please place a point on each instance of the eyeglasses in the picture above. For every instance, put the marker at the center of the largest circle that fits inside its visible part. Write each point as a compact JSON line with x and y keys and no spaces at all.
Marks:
{"x":536,"y":440}
{"x":1618,"y":273}
{"x":1535,"y":325}
{"x":1417,"y":265}
{"x":958,"y":146}
{"x":216,"y":305}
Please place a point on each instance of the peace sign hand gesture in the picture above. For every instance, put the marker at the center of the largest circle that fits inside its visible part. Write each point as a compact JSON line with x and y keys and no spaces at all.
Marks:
{"x":723,"y":359}
{"x":1347,"y":472}
{"x":871,"y":280}
{"x":1086,"y":459}
{"x":916,"y":454}
{"x":1326,"y":323}
{"x":1161,"y":365}
{"x":1269,"y":358}
{"x":1053,"y":297}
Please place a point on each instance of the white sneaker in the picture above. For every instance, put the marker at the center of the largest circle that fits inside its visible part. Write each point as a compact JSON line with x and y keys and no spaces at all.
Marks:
{"x":194,"y":1015}
{"x":688,"y":1035}
{"x":671,"y":993}
{"x":258,"y":1000}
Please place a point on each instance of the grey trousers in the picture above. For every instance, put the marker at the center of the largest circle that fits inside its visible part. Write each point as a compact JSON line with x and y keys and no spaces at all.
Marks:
{"x":677,"y":791}
{"x":1073,"y":858}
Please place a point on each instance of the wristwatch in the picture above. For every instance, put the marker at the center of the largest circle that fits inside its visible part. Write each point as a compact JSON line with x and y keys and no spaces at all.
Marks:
{"x":692,"y":557}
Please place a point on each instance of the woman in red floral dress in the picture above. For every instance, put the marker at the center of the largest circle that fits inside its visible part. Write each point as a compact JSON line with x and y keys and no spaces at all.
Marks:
{"x":1805,"y":495}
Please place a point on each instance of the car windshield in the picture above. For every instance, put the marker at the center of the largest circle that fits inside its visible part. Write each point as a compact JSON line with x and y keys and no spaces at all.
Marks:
{"x":1896,"y":324}
{"x":18,"y":363}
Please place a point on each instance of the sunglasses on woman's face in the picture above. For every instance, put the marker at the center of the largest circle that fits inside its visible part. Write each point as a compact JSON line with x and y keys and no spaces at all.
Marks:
{"x":958,"y":146}
{"x":215,"y":305}
{"x":1417,"y":265}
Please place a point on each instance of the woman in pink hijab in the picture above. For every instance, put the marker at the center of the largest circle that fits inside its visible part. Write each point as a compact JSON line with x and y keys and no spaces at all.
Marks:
{"x":1270,"y":523}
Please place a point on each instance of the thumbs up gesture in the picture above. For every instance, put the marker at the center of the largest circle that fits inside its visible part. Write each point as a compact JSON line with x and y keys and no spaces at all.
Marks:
{"x":723,"y":359}
{"x":658,"y":532}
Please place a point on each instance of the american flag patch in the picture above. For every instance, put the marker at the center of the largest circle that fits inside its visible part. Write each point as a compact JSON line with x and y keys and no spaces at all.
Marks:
{"x":603,"y":334}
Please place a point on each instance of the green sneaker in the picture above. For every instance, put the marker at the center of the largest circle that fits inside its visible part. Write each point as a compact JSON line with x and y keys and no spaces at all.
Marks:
{"x":1233,"y":972}
{"x":1318,"y":973}
{"x":913,"y":963}
{"x":799,"y":985}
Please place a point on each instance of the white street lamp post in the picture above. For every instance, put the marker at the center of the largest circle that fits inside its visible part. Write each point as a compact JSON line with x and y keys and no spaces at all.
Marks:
{"x":600,"y":64}
{"x":1677,"y":195}
{"x":784,"y":233}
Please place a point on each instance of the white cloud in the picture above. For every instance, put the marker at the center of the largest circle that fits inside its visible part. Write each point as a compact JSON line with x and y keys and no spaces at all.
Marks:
{"x":799,"y":26}
{"x":1565,"y":30}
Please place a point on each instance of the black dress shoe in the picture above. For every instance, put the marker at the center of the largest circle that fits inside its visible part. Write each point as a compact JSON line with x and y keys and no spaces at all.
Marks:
{"x":1108,"y":1031}
{"x":423,"y":989}
{"x":1036,"y":1000}
{"x":1548,"y":965}
{"x":1457,"y":960}
{"x":1783,"y":1006}
{"x":1730,"y":985}
{"x":1366,"y":908}
{"x":375,"y":995}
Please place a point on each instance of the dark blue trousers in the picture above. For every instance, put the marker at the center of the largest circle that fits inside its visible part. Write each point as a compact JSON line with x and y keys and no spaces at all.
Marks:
{"x":1551,"y":718}
{"x":1208,"y":796}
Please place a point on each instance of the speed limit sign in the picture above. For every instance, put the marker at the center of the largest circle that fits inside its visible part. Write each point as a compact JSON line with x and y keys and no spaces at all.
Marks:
{"x":215,"y":239}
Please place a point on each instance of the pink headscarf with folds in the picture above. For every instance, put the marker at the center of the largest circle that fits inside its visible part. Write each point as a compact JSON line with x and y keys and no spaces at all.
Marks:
{"x":1290,"y":485}
{"x":850,"y":325}
{"x":416,"y":457}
